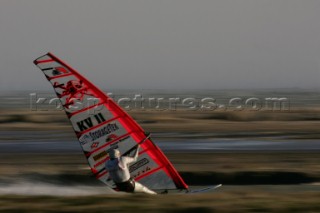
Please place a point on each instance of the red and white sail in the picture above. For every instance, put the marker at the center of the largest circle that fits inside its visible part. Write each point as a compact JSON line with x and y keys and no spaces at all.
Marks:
{"x":100,"y":124}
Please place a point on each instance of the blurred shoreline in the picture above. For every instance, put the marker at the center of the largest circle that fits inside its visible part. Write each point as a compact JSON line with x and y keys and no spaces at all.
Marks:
{"x":300,"y":120}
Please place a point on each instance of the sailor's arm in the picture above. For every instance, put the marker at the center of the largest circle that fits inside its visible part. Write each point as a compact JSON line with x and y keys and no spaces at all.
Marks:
{"x":136,"y":154}
{"x":132,"y":159}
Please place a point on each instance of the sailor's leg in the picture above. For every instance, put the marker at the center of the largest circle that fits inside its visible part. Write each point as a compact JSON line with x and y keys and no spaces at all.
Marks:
{"x":141,"y":188}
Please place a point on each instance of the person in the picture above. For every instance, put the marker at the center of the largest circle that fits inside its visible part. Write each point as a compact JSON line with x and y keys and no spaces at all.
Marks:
{"x":118,"y":169}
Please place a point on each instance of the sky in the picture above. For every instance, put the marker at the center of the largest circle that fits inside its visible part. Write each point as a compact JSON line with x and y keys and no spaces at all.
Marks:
{"x":164,"y":44}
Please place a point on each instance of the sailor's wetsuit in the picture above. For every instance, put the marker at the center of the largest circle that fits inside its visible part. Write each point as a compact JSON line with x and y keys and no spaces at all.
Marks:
{"x":119,"y":172}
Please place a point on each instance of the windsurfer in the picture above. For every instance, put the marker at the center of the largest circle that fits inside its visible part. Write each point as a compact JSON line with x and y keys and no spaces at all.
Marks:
{"x":119,"y":172}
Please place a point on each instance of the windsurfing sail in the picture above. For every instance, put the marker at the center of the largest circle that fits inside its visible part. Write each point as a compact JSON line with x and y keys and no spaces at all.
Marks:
{"x":100,"y":125}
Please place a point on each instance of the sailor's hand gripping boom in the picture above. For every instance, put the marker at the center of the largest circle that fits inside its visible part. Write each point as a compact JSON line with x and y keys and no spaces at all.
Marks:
{"x":137,"y":145}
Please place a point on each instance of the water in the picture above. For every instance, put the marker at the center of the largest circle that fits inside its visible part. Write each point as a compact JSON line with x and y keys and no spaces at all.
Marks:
{"x":39,"y":144}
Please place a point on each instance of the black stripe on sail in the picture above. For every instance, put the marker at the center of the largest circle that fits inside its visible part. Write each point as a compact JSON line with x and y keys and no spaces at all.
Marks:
{"x":45,"y":69}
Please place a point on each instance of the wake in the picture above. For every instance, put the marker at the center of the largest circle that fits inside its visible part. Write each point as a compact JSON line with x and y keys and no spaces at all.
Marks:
{"x":44,"y":189}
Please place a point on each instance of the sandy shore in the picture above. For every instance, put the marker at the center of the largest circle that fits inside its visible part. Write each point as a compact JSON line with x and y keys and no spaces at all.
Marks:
{"x":63,"y":183}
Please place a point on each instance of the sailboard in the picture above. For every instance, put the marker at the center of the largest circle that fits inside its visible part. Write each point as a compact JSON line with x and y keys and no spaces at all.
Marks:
{"x":100,"y":125}
{"x":206,"y":189}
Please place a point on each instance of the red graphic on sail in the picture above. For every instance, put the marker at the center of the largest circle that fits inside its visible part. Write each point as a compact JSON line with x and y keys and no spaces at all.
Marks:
{"x":73,"y":89}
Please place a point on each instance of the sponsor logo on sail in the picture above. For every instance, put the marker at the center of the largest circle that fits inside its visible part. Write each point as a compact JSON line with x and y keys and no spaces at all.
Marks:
{"x":104,"y":153}
{"x":112,"y":127}
{"x":94,"y":145}
{"x":138,"y":164}
{"x":84,"y":139}
{"x":111,"y":137}
{"x":100,"y":155}
{"x":59,"y":71}
{"x":89,"y":122}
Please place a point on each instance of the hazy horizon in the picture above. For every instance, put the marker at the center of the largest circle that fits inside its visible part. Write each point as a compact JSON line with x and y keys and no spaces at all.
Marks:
{"x":164,"y":45}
